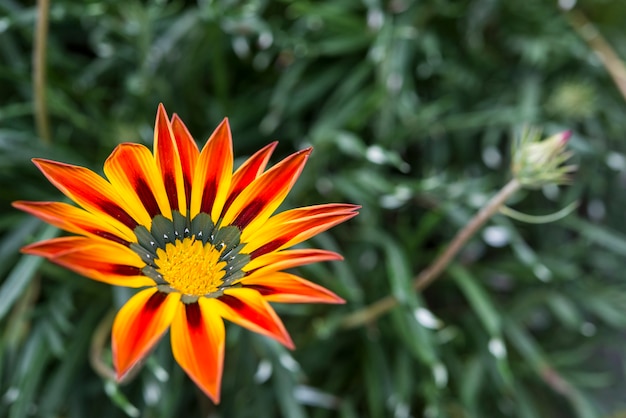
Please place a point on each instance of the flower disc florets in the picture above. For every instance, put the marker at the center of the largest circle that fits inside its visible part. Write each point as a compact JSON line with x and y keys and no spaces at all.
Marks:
{"x":193,"y":257}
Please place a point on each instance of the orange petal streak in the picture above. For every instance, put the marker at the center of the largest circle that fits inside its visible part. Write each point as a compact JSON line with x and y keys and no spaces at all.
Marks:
{"x":294,"y":226}
{"x":168,"y":162}
{"x":197,"y":336}
{"x":76,"y":220}
{"x":287,"y":259}
{"x":131,"y":169}
{"x":247,"y":308}
{"x":139,"y":325}
{"x":188,"y":152}
{"x":287,"y":288}
{"x":260,"y":199}
{"x":249,"y":170}
{"x":213,"y":174}
{"x":90,"y":191}
{"x":100,"y":260}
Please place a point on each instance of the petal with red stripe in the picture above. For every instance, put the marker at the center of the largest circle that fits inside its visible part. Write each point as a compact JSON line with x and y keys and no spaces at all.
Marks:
{"x":188,"y":153}
{"x":259,"y":199}
{"x":90,"y":191}
{"x":247,"y":308}
{"x":198,"y":336}
{"x":168,"y":162}
{"x":131,"y":169}
{"x":100,"y":260}
{"x":287,"y":259}
{"x":294,"y":226}
{"x":139,"y":325}
{"x":213,"y":173}
{"x":249,"y":170}
{"x":288,"y":288}
{"x":76,"y":220}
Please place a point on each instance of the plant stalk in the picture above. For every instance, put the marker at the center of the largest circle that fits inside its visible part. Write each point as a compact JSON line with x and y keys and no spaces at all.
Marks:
{"x":39,"y":71}
{"x":434,"y":270}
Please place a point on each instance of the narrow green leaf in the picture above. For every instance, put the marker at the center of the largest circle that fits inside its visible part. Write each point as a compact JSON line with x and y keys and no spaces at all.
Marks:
{"x":21,"y":275}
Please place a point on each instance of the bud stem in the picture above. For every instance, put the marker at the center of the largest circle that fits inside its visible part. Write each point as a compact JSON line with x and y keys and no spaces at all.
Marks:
{"x":434,"y":270}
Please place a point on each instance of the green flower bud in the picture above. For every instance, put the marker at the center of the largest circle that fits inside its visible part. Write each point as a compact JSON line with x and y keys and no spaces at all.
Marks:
{"x":538,"y":162}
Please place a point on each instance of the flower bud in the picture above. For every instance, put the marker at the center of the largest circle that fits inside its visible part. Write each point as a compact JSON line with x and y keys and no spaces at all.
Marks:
{"x":537,"y":162}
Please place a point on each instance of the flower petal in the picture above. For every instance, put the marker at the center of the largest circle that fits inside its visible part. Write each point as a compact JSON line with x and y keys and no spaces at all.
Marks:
{"x":249,"y":170}
{"x":168,"y":162}
{"x":132,"y":171}
{"x":294,"y":226}
{"x":76,"y":220}
{"x":198,"y":336}
{"x":213,"y":174}
{"x":187,"y":151}
{"x":90,"y":191}
{"x":287,"y":288}
{"x":260,"y":199}
{"x":247,"y":308}
{"x":139,"y":325}
{"x":101,"y":260}
{"x":287,"y":259}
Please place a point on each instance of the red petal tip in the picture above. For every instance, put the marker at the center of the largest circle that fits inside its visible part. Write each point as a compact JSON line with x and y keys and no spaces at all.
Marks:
{"x":565,"y":136}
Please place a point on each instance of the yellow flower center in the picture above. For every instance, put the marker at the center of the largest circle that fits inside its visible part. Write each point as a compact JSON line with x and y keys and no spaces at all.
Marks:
{"x":190,"y":267}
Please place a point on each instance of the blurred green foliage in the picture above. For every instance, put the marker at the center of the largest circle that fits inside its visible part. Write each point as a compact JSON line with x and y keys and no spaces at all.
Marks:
{"x":411,"y":107}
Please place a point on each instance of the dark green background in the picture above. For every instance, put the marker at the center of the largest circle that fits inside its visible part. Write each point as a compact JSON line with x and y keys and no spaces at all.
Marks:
{"x":410,"y":108}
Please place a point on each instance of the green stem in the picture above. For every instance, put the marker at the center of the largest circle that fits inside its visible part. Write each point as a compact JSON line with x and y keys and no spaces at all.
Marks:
{"x":39,"y":71}
{"x":434,"y":270}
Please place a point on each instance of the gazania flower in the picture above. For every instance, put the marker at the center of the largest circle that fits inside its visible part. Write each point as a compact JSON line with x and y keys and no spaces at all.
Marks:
{"x":201,"y":241}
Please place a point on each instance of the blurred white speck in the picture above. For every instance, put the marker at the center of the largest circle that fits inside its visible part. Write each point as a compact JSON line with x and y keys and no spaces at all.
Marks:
{"x":289,"y":363}
{"x":112,"y":390}
{"x":616,"y":161}
{"x":375,"y":19}
{"x":315,"y":23}
{"x":596,"y":209}
{"x":151,"y":393}
{"x":104,"y":49}
{"x":263,"y":372}
{"x":496,"y":236}
{"x":476,"y":200}
{"x":368,"y":259}
{"x":377,"y":54}
{"x":394,"y":82}
{"x":431,"y":411}
{"x":375,"y":154}
{"x":551,"y":191}
{"x":587,"y":329}
{"x":4,"y":24}
{"x":440,"y":374}
{"x":542,"y":273}
{"x":403,"y":192}
{"x":567,"y":4}
{"x":324,"y":185}
{"x":266,"y":39}
{"x":314,"y":397}
{"x":400,"y":196}
{"x":492,"y":157}
{"x":241,"y":47}
{"x":11,"y":395}
{"x":269,"y":123}
{"x":401,"y":410}
{"x":447,"y":334}
{"x":427,"y":319}
{"x":160,"y":373}
{"x":497,"y":348}
{"x":261,"y":61}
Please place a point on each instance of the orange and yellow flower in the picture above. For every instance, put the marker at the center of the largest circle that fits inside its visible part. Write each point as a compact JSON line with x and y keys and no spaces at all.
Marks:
{"x":203,"y":242}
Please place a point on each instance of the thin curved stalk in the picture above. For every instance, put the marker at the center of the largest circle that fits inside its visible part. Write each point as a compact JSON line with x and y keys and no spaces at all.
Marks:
{"x":434,"y":270}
